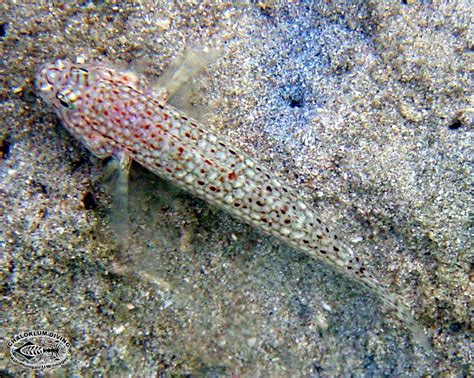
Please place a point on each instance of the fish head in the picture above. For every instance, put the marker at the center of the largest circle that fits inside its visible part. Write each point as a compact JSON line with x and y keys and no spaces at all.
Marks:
{"x":72,"y":89}
{"x":89,"y":100}
{"x":63,"y":84}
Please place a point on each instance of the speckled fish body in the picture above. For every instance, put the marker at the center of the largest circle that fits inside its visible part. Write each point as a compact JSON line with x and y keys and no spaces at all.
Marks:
{"x":114,"y":113}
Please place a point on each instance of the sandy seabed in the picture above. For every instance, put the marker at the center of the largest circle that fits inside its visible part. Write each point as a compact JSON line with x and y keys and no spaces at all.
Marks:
{"x":363,"y":108}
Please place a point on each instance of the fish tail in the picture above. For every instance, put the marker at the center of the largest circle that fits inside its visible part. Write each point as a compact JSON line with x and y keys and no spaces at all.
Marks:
{"x":404,"y":314}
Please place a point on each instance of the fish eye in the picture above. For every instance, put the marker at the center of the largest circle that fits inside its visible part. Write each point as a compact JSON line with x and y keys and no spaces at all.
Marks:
{"x":76,"y":69}
{"x":64,"y":103}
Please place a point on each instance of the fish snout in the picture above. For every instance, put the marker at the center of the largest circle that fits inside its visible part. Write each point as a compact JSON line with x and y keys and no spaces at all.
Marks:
{"x":51,"y":77}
